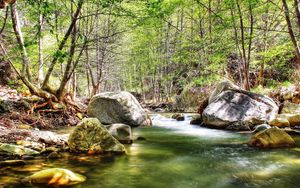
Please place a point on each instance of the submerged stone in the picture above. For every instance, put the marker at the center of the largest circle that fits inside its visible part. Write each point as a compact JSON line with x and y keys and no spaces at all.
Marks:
{"x":271,"y":138}
{"x":90,"y":136}
{"x":56,"y":177}
{"x":121,"y":132}
{"x":12,"y":163}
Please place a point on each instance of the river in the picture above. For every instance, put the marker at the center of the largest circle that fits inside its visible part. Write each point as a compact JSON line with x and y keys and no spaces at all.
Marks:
{"x":177,"y":155}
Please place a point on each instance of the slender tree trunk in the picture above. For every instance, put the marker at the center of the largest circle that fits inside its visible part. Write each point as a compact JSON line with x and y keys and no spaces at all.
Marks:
{"x":41,"y":55}
{"x":237,"y":44}
{"x":18,"y":32}
{"x":297,"y":4}
{"x":244,"y":57}
{"x":68,"y":69}
{"x":61,"y":46}
{"x":5,"y":20}
{"x":291,"y":32}
{"x":74,"y":86}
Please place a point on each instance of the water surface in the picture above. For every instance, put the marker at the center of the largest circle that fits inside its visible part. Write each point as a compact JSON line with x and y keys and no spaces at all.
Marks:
{"x":178,"y":155}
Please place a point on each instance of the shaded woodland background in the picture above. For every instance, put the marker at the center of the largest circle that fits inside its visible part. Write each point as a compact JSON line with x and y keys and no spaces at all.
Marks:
{"x":161,"y":50}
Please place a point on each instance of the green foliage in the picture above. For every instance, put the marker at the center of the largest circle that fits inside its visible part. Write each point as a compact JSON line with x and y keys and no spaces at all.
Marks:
{"x":158,"y":46}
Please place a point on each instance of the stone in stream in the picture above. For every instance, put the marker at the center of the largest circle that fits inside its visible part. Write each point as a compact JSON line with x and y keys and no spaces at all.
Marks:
{"x":261,"y":127}
{"x":14,"y":150}
{"x":55,"y":177}
{"x":118,"y":107}
{"x":90,"y":136}
{"x":121,"y":132}
{"x":178,"y":117}
{"x":290,"y":108}
{"x":12,"y":163}
{"x":196,"y":120}
{"x":32,"y":145}
{"x":271,"y":138}
{"x":233,"y":107}
{"x":279,"y":121}
{"x":286,"y":120}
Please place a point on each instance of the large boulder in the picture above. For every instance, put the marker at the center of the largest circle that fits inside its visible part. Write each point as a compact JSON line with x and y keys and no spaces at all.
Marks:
{"x":118,"y":107}
{"x":121,"y":132}
{"x":272,"y":138}
{"x":90,"y":136}
{"x":229,"y":105}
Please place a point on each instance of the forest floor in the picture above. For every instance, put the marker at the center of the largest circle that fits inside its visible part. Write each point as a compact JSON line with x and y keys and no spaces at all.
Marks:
{"x":21,"y":114}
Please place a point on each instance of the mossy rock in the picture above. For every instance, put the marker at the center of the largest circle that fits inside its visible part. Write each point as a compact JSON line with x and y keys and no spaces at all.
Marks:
{"x":196,"y":120}
{"x":14,"y":150}
{"x":271,"y":138}
{"x":280,"y":122}
{"x":294,"y":119}
{"x":56,"y":177}
{"x":290,"y":108}
{"x":90,"y":136}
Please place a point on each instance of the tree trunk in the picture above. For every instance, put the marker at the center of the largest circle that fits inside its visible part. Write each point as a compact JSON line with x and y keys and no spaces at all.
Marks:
{"x":68,"y":69}
{"x":41,"y":55}
{"x":291,"y":32}
{"x":61,"y":46}
{"x":297,"y":4}
{"x":244,"y":57}
{"x":18,"y":32}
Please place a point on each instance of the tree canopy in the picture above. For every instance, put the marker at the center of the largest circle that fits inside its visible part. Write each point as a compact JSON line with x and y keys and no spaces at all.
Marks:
{"x":153,"y":47}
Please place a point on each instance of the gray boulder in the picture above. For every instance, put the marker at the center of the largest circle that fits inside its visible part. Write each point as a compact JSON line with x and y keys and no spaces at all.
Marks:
{"x":121,"y":132}
{"x":118,"y":107}
{"x":90,"y":136}
{"x":231,"y":106}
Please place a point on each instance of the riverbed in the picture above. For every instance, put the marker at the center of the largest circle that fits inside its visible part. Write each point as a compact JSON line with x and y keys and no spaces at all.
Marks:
{"x":177,"y":155}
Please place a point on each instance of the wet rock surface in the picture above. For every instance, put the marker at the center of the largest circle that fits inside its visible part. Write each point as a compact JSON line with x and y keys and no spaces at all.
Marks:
{"x":237,"y":109}
{"x":271,"y":138}
{"x":118,"y":107}
{"x":91,"y":137}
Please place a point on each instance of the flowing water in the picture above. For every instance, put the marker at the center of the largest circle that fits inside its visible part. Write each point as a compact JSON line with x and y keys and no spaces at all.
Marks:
{"x":178,"y":155}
